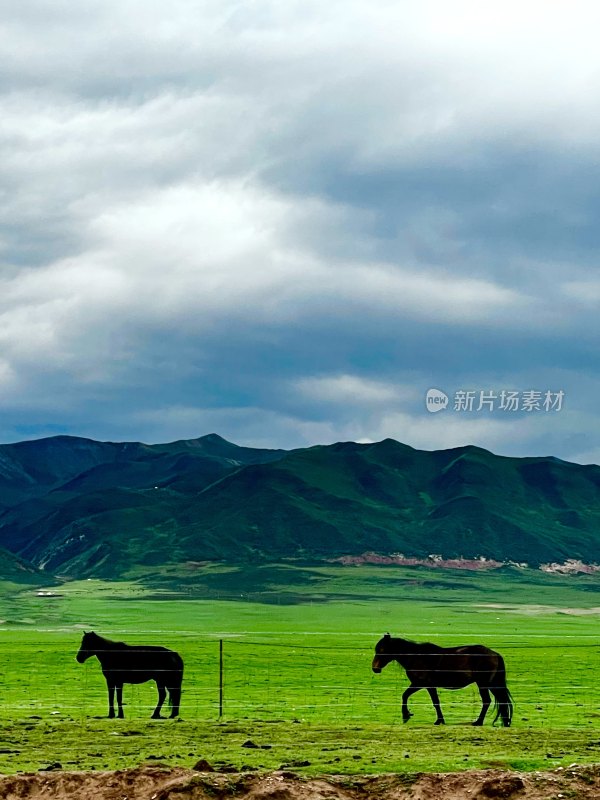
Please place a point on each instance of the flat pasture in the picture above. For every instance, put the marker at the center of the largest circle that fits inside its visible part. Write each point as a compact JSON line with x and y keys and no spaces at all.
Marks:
{"x":297,"y":687}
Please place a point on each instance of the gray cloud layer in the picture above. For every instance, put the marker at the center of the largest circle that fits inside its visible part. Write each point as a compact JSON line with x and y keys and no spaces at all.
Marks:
{"x":286,"y":221}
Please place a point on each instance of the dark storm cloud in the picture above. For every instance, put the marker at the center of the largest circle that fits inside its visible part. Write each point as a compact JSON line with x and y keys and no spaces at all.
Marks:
{"x":286,"y":222}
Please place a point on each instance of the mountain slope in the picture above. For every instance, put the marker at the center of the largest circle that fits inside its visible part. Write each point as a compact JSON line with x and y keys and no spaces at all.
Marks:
{"x":387,"y":497}
{"x":136,"y":506}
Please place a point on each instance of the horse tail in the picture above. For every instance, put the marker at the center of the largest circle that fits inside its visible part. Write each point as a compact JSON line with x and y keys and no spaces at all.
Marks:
{"x":503,"y":702}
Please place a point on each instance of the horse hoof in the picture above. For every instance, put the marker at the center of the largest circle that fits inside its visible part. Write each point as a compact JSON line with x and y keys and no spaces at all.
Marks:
{"x":439,"y":722}
{"x":477,"y":724}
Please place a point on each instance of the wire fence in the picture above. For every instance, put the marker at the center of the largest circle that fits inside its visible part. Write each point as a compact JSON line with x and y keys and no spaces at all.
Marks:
{"x":296,"y":678}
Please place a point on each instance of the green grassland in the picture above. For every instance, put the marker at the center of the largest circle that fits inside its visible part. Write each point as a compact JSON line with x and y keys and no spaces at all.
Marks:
{"x":297,"y":647}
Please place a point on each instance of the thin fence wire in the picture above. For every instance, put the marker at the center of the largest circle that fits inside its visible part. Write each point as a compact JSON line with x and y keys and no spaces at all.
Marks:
{"x":268,"y":678}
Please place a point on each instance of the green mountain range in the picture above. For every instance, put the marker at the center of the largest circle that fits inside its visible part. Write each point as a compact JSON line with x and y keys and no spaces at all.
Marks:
{"x":77,"y":507}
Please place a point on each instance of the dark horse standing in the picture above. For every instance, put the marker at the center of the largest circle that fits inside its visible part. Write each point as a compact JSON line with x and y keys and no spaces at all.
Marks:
{"x":431,"y":667}
{"x":123,"y":663}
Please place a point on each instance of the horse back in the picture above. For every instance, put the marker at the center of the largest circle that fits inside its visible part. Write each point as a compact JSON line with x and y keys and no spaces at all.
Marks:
{"x":480,"y":654}
{"x":453,"y":667}
{"x":141,"y":663}
{"x":475,"y":662}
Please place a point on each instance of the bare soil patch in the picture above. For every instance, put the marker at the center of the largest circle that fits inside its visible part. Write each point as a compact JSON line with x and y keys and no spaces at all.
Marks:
{"x":534,"y":609}
{"x":166,"y":783}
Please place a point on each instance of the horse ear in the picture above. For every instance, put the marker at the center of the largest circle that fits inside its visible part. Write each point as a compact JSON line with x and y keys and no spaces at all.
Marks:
{"x":387,"y":636}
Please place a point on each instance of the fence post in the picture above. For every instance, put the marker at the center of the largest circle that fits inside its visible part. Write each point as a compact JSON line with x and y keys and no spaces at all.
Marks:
{"x":220,"y":678}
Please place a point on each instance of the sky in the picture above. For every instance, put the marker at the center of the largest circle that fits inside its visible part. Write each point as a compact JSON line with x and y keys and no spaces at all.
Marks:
{"x":285,"y":222}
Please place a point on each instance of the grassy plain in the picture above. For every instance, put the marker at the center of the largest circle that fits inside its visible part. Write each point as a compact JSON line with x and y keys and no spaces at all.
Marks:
{"x":297,"y":644}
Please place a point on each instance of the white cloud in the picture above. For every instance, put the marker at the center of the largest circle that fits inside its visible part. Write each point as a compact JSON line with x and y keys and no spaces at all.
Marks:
{"x":591,"y":456}
{"x":429,"y":71}
{"x":501,"y":435}
{"x":434,"y":295}
{"x":344,"y":389}
{"x":214,"y":253}
{"x":8,"y":380}
{"x":585,"y":292}
{"x":202,"y":172}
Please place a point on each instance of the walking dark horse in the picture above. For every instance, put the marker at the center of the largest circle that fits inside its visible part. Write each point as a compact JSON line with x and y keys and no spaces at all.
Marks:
{"x":431,"y":667}
{"x":124,"y":663}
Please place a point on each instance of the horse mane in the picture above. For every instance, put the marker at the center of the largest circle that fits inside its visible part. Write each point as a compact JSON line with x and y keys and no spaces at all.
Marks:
{"x":429,"y":647}
{"x":114,"y":645}
{"x":417,"y":647}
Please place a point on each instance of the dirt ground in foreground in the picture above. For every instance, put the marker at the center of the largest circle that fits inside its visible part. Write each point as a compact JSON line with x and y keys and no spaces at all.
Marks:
{"x":166,"y":783}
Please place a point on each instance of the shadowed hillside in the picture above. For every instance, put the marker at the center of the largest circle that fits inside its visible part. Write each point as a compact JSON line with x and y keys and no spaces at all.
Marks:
{"x":79,"y":507}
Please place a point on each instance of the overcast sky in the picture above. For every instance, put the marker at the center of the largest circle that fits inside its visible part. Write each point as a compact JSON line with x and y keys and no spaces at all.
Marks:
{"x":285,"y":221}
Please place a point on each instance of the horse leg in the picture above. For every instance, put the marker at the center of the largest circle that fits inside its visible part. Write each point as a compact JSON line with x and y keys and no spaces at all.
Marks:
{"x":485,"y":700}
{"x":162,"y":693}
{"x":119,"y":687}
{"x":406,"y":714}
{"x":436,"y":704}
{"x":111,"y":701}
{"x":175,"y":700}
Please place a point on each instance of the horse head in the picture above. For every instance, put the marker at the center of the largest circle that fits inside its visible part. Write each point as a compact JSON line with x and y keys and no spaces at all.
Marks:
{"x":88,"y":647}
{"x":383,"y":654}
